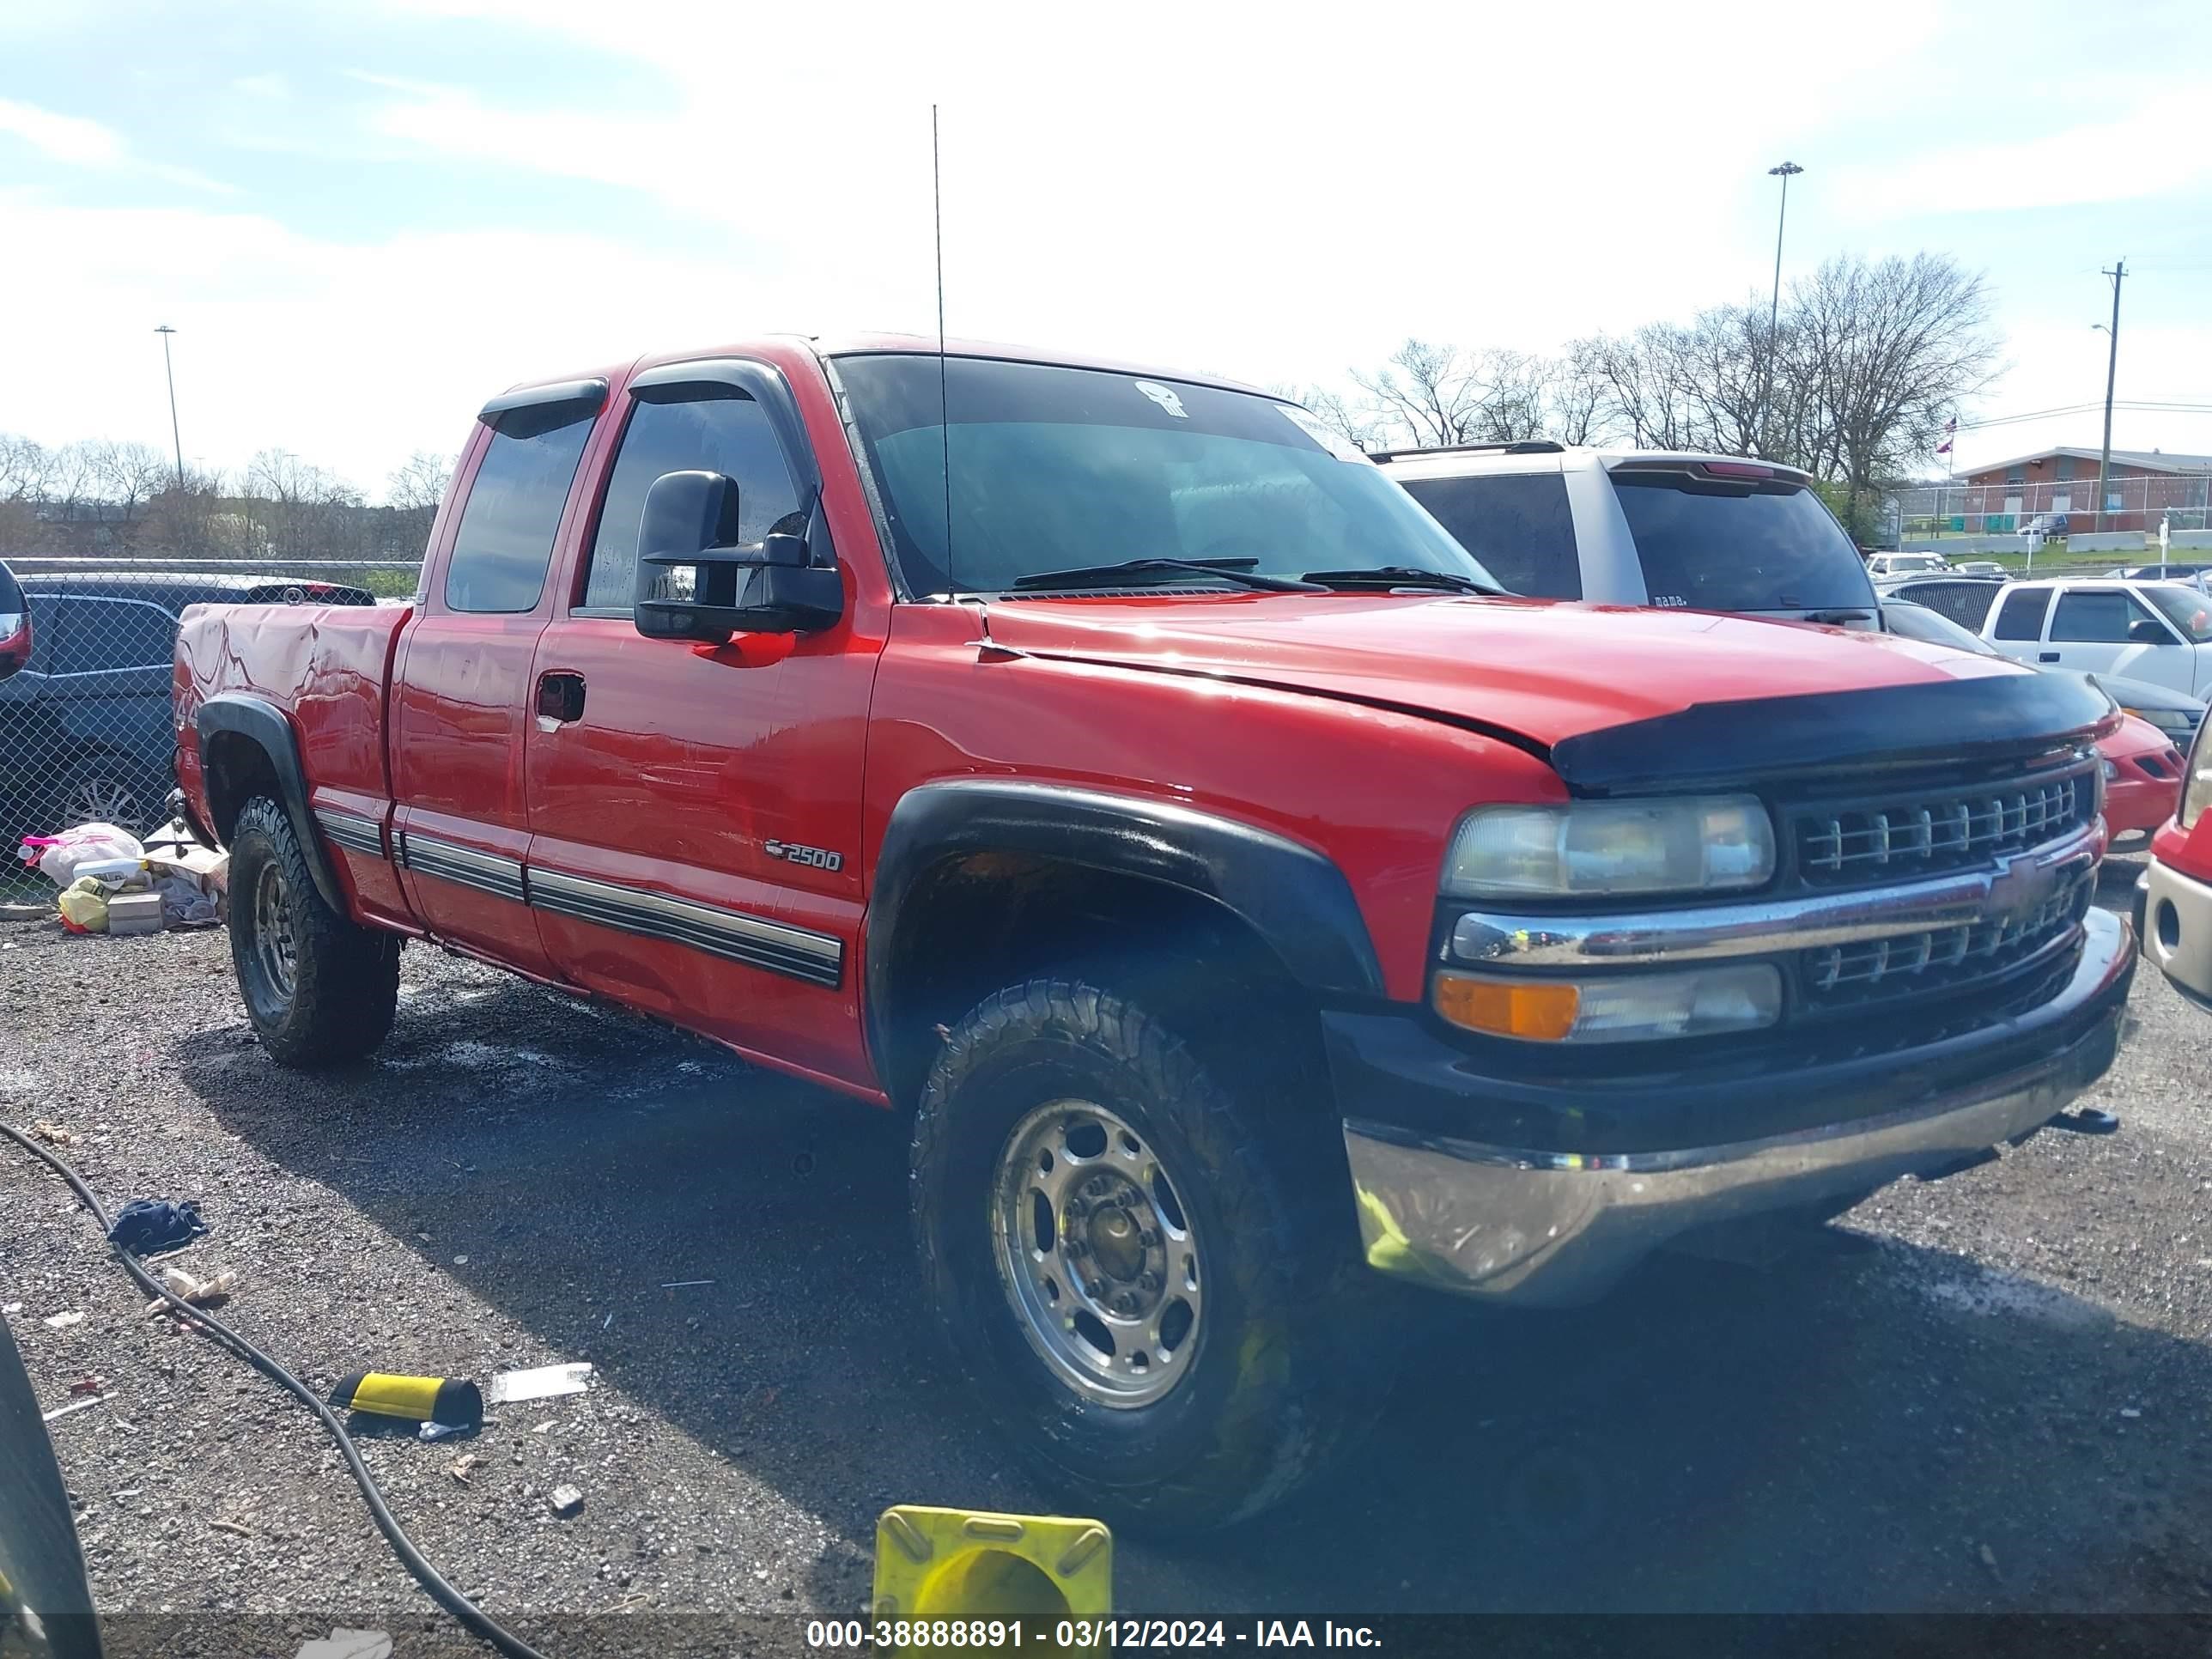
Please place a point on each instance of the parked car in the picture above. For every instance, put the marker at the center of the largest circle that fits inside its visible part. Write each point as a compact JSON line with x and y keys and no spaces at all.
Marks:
{"x":2176,"y":714}
{"x":2047,"y":525}
{"x":1241,"y":894}
{"x":1704,"y":533}
{"x":2161,"y":632}
{"x":2142,"y":758}
{"x":84,"y":725}
{"x":1885,"y":566}
{"x":1965,"y":599}
{"x":2174,"y":898}
{"x":1980,"y":568}
{"x":2176,"y":572}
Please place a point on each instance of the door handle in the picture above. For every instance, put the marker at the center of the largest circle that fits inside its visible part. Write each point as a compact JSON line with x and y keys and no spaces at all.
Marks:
{"x":561,"y":698}
{"x":2040,"y":656}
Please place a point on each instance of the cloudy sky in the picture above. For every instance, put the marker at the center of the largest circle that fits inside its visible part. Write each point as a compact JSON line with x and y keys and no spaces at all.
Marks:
{"x":362,"y":218}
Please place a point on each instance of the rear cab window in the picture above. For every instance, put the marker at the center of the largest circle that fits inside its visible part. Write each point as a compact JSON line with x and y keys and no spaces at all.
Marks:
{"x":1713,"y":544}
{"x":1518,"y":524}
{"x":505,"y":539}
{"x":2021,"y":617}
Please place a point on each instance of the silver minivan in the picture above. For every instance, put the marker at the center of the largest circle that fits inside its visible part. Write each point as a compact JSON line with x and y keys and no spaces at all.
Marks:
{"x":1704,"y":533}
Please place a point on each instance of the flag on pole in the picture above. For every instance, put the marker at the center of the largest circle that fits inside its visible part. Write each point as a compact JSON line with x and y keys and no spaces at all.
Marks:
{"x":1950,"y":431}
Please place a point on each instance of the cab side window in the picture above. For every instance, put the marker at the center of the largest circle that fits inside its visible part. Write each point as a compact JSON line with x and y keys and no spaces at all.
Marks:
{"x":505,"y":540}
{"x":705,"y":429}
{"x":2022,"y":615}
{"x":2096,"y":618}
{"x":1518,"y":524}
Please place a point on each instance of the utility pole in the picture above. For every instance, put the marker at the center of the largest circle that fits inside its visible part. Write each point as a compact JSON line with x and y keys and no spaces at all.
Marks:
{"x":1785,"y":173}
{"x":2119,"y":274}
{"x":165,"y":332}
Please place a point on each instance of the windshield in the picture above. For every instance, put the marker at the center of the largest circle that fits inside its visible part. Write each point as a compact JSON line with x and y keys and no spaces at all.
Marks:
{"x":1917,"y":621}
{"x":1736,"y":547}
{"x":1056,"y":469}
{"x":2186,"y":608}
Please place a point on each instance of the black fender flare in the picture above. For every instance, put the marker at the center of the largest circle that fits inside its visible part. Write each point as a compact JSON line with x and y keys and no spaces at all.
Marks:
{"x":263,"y":724}
{"x":1296,"y":899}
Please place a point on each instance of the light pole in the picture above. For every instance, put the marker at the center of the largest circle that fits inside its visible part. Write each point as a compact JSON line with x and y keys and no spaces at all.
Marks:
{"x":1785,"y":173}
{"x":169,"y":369}
{"x":2119,"y":274}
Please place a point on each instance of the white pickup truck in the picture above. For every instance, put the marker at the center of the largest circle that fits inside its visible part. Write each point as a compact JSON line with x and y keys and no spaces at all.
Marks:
{"x":2159,"y":632}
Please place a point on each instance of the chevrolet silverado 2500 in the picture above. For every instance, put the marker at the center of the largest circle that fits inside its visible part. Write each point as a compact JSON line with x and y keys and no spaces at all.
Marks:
{"x":1119,"y":774}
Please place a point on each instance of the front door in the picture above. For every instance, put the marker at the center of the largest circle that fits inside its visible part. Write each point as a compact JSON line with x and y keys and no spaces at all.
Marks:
{"x":2107,"y":630}
{"x":462,"y":685}
{"x":696,"y":812}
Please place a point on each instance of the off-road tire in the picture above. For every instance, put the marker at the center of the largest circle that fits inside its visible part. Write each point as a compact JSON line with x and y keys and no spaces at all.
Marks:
{"x":1283,"y":1376}
{"x":344,"y":984}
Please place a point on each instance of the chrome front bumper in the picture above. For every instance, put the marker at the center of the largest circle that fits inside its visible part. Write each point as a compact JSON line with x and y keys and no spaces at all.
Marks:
{"x":1542,"y":1228}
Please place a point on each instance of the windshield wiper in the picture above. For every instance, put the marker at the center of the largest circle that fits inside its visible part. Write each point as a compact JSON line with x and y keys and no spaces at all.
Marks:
{"x":1399,"y":576}
{"x":1238,"y":571}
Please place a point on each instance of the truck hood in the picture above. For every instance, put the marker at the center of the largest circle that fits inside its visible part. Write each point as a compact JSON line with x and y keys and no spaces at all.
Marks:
{"x":1540,"y":670}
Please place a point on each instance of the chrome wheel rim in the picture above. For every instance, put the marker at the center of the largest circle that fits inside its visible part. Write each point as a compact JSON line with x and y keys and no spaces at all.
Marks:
{"x":272,"y":932}
{"x":1096,"y":1254}
{"x":102,"y":800}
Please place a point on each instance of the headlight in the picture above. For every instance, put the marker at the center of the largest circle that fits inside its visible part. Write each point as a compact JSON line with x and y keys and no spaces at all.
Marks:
{"x":2112,"y":773}
{"x":2174,"y":722}
{"x":2197,"y":785}
{"x":1614,"y":1008}
{"x":1716,"y":843}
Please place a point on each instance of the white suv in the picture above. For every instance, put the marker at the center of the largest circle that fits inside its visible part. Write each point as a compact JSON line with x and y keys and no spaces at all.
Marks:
{"x":1706,"y":533}
{"x":2161,"y":632}
{"x":1883,"y":566}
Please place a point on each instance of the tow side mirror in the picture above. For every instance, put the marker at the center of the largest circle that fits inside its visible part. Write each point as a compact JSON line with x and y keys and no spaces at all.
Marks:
{"x":2144,"y":631}
{"x":696,"y":581}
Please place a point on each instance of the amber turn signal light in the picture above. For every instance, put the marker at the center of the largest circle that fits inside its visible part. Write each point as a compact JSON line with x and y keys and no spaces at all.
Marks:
{"x":1538,"y":1010}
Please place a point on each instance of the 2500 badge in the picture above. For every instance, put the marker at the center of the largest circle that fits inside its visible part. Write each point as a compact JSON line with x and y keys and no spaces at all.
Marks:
{"x":814,"y":857}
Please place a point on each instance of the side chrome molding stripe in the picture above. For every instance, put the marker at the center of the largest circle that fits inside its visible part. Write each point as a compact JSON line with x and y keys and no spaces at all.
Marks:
{"x":734,"y":935}
{"x":487,"y":872}
{"x":351,"y":830}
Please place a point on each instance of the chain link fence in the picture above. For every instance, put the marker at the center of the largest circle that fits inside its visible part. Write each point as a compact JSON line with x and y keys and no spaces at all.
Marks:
{"x":2182,"y":501}
{"x":85,"y":732}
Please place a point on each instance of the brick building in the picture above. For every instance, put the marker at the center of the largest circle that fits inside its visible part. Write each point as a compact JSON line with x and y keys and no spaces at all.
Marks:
{"x":2141,"y":486}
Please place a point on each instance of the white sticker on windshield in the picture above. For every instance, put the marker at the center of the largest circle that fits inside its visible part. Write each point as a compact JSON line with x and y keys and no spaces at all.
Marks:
{"x":1164,"y":397}
{"x":1335,"y":442}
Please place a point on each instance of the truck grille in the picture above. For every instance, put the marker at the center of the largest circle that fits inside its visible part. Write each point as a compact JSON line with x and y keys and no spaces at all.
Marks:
{"x":1841,"y":974}
{"x":1869,"y":840}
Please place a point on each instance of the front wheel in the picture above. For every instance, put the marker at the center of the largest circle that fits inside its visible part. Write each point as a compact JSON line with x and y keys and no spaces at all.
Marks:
{"x":1144,"y":1289}
{"x":318,"y":988}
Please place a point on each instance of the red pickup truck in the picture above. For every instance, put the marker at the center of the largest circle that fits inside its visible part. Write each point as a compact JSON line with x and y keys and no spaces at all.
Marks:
{"x":1117,"y":773}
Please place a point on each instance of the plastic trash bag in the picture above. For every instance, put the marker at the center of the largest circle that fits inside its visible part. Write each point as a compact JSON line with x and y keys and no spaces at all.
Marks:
{"x":84,"y":906}
{"x":61,"y":859}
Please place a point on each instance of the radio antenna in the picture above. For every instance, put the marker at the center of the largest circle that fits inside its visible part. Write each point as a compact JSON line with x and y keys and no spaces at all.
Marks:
{"x":944,"y":402}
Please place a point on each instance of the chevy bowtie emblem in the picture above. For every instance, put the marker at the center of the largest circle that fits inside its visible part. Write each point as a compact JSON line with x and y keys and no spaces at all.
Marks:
{"x":2021,"y":885}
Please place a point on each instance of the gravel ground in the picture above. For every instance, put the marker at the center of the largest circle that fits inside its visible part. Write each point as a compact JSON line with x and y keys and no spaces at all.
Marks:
{"x":1998,"y":1402}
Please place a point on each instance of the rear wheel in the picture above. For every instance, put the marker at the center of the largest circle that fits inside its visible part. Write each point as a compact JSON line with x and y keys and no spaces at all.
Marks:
{"x":319,"y":989}
{"x":1144,"y":1289}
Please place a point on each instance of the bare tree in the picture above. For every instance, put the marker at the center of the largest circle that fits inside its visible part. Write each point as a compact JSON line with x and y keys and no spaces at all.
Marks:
{"x":23,"y":466}
{"x":1427,"y":391}
{"x":419,"y":482}
{"x":1580,"y":411}
{"x":1885,"y":353}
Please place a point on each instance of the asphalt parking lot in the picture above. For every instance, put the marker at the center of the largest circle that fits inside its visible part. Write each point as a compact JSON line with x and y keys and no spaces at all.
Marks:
{"x":1999,"y":1401}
